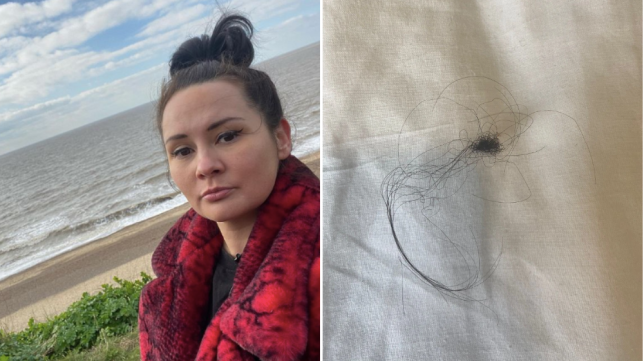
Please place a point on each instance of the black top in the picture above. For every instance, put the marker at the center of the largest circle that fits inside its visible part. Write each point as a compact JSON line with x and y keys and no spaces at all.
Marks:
{"x":222,"y":279}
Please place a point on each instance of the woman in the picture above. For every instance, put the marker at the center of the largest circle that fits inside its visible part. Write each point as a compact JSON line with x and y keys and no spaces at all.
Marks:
{"x":238,"y":275}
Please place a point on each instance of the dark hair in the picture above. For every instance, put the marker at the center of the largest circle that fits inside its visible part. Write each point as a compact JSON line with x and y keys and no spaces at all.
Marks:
{"x":226,"y":54}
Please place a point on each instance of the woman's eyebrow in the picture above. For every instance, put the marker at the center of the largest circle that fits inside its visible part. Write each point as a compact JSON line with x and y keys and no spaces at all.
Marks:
{"x":211,"y":127}
{"x":221,"y":122}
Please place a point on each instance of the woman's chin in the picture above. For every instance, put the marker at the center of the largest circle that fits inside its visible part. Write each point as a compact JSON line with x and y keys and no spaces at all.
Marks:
{"x":226,"y":215}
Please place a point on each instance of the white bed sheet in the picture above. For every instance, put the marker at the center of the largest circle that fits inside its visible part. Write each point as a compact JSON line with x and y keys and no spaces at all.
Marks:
{"x":568,"y":283}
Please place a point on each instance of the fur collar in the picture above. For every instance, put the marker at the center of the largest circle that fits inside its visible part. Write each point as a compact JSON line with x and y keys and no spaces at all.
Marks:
{"x":267,"y":313}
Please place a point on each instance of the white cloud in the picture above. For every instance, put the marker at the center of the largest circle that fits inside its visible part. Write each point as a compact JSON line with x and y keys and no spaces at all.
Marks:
{"x":14,"y":16}
{"x":32,"y":110}
{"x":41,"y":121}
{"x":154,"y":6}
{"x":260,"y":10}
{"x":37,"y":79}
{"x":133,"y":86}
{"x":13,"y":43}
{"x":77,"y":30}
{"x":289,"y":35}
{"x":36,"y":67}
{"x":35,"y":74}
{"x":172,"y":19}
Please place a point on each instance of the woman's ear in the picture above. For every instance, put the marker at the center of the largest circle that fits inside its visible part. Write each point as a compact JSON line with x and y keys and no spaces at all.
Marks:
{"x":283,"y":136}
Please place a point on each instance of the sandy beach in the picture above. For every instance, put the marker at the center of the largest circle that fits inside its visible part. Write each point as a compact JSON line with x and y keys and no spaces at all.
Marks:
{"x":50,"y":287}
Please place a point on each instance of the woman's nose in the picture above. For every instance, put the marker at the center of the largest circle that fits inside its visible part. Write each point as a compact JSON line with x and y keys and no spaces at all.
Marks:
{"x":208,"y":164}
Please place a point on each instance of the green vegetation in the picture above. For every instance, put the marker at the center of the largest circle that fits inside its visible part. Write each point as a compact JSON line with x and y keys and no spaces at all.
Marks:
{"x":96,"y":320}
{"x":118,"y":348}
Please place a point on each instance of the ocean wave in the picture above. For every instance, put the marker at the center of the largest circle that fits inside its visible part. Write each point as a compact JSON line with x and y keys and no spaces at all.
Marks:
{"x":70,"y":237}
{"x":59,"y":234}
{"x":31,"y":233}
{"x":127,"y":177}
{"x":155,"y":180}
{"x":119,"y":214}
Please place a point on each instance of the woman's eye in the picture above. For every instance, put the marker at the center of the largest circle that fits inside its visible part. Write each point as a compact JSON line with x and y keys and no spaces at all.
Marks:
{"x":228,"y":136}
{"x":182,"y":152}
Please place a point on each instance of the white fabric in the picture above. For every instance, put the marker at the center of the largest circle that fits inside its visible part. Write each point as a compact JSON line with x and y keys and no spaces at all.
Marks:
{"x":568,"y":283}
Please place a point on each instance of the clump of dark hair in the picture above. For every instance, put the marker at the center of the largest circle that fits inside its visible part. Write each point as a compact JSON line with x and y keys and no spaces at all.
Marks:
{"x":487,"y":143}
{"x":226,"y":54}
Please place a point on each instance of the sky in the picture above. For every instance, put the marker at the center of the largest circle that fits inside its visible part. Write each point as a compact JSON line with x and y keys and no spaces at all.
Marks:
{"x":67,"y":63}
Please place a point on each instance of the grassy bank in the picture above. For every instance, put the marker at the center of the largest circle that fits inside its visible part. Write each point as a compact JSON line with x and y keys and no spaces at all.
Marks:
{"x":117,"y":348}
{"x":97,"y":327}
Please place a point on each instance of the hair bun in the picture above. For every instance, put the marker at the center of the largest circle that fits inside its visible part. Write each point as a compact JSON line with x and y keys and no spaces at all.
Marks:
{"x":230,"y":42}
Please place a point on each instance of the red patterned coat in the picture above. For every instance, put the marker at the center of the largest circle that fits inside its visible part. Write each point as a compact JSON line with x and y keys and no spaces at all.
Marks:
{"x":273,"y":311}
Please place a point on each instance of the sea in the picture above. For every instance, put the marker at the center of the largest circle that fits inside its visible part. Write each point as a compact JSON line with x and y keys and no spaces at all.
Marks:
{"x":88,"y":183}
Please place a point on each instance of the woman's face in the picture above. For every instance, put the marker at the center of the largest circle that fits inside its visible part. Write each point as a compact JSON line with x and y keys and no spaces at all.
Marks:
{"x":221,"y":154}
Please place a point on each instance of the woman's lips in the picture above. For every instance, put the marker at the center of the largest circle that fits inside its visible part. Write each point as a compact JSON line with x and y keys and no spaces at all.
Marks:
{"x":216,"y":194}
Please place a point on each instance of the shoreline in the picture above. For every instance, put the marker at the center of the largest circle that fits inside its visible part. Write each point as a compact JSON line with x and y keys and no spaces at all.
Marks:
{"x":48,"y":288}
